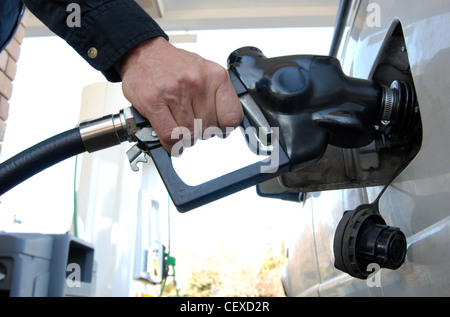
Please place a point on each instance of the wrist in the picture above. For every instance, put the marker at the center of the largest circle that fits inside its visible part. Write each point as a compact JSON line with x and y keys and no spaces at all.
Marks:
{"x":132,"y":57}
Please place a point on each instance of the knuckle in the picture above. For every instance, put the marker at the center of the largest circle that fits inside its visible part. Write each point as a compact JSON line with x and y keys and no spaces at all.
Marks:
{"x":171,"y":86}
{"x":195,"y":77}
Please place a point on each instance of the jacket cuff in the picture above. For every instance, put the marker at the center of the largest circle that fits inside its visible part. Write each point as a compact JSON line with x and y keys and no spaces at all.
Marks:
{"x":109,"y":32}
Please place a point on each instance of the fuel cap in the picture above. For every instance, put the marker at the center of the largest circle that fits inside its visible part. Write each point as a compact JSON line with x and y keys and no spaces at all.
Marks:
{"x":362,"y":237}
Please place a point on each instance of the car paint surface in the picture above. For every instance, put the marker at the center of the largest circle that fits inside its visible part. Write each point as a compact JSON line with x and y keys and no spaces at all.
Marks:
{"x":418,"y":200}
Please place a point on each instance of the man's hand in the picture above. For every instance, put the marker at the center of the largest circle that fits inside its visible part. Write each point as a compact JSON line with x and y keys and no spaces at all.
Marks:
{"x":172,"y":87}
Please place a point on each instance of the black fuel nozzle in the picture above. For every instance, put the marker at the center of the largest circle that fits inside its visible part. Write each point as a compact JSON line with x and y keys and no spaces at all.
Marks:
{"x":299,"y":105}
{"x":315,"y":104}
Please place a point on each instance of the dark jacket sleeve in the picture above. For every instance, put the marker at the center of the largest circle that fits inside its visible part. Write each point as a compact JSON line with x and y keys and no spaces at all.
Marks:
{"x":108,"y":29}
{"x":10,"y":15}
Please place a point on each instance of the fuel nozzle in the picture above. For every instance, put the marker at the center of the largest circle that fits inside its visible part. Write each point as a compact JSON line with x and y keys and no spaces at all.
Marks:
{"x":399,"y":109}
{"x":314,"y":103}
{"x":113,"y":129}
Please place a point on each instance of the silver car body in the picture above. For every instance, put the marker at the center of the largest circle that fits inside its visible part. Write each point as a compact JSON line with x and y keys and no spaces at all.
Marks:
{"x":418,"y":199}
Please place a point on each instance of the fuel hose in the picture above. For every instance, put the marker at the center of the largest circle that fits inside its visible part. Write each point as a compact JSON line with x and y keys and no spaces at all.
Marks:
{"x":90,"y":136}
{"x":39,"y":157}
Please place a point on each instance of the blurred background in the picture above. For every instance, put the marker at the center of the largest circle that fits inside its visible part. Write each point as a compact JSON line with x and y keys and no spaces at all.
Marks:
{"x":231,"y":247}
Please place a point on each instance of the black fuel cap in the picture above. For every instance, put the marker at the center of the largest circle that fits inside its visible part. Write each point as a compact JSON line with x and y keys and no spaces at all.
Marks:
{"x":362,"y":237}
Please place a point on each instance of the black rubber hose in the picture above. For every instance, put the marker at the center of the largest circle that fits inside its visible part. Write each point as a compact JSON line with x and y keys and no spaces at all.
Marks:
{"x":39,"y":157}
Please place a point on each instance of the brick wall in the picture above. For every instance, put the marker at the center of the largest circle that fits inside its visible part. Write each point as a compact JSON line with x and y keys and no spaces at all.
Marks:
{"x":8,"y":67}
